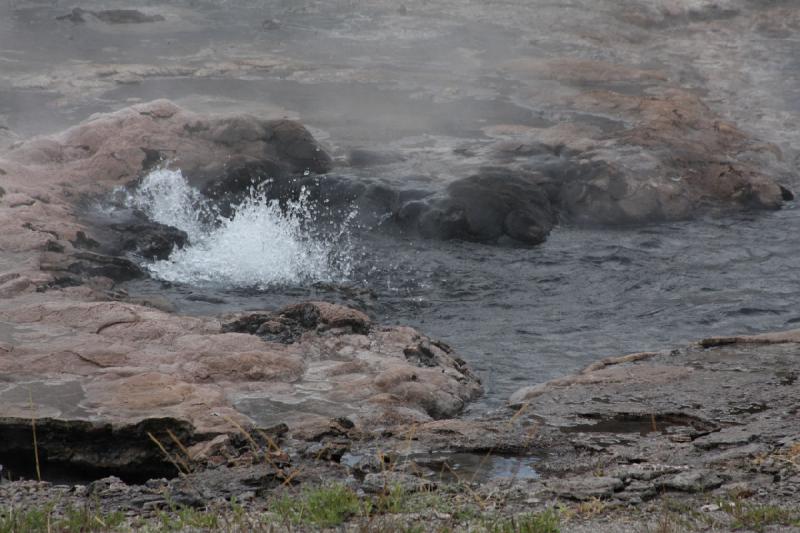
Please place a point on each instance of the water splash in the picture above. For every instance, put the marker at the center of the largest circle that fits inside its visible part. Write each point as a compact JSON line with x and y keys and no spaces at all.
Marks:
{"x":259,"y":245}
{"x":166,"y":197}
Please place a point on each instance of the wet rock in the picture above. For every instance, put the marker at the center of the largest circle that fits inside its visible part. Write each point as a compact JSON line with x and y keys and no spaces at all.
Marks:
{"x":117,"y":148}
{"x":240,"y":178}
{"x":678,"y":136}
{"x":485,"y":207}
{"x":290,"y":323}
{"x":639,"y":149}
{"x":331,"y":198}
{"x":150,"y":240}
{"x":205,"y":146}
{"x":90,"y":264}
{"x":84,"y":242}
{"x":585,"y":487}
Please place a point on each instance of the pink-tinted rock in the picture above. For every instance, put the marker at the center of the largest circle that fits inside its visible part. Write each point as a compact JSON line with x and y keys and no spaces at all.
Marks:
{"x":88,"y":357}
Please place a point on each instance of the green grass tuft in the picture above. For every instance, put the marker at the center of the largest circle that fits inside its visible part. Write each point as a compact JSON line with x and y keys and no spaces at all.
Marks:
{"x":71,"y":520}
{"x":545,"y":522}
{"x":757,"y":517}
{"x":326,"y":506}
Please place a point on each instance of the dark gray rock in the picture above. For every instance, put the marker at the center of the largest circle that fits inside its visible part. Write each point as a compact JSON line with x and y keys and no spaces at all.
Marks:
{"x":698,"y":480}
{"x":150,"y":240}
{"x":726,"y":437}
{"x":585,"y":487}
{"x":290,"y":323}
{"x":644,"y":471}
{"x":485,"y":207}
{"x":637,"y":492}
{"x":90,"y":264}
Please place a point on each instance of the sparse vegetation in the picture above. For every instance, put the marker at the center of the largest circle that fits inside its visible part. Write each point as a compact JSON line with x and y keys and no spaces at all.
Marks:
{"x":590,"y":508}
{"x":336,"y":504}
{"x":545,"y":522}
{"x":757,"y":517}
{"x":46,"y":519}
{"x":328,"y":505}
{"x":312,"y":508}
{"x":183,"y":518}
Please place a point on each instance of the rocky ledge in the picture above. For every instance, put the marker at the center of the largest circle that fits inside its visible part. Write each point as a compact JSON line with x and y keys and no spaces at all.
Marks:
{"x":703,"y":437}
{"x":720,"y":415}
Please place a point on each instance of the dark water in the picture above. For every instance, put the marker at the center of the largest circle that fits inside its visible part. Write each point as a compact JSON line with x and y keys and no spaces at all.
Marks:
{"x":523,"y":315}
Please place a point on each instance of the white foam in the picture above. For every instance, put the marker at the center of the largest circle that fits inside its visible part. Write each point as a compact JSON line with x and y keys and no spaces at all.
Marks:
{"x":260,"y":245}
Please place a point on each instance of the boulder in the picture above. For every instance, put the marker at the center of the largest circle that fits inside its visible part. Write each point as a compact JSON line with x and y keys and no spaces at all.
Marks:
{"x":585,"y":487}
{"x":637,"y":149}
{"x":485,"y":207}
{"x":45,"y":178}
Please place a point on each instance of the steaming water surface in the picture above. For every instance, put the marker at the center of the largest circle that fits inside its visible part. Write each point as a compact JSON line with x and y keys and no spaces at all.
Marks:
{"x":519,"y":315}
{"x":420,"y":79}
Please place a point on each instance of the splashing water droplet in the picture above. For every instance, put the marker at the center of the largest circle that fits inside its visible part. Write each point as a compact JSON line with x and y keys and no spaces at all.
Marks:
{"x":260,"y":245}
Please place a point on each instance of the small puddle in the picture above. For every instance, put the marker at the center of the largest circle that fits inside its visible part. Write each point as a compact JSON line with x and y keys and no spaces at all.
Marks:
{"x":641,"y":424}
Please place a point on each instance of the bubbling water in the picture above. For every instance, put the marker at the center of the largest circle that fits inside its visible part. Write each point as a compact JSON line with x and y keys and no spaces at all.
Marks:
{"x":260,"y":245}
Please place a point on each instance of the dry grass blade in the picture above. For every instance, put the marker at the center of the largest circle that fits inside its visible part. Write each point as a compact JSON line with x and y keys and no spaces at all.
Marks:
{"x":35,"y":442}
{"x":519,"y":413}
{"x":293,"y":474}
{"x":480,"y":501}
{"x":183,"y":449}
{"x":244,"y":432}
{"x":271,"y":445}
{"x":270,"y":441}
{"x":167,"y":454}
{"x":178,"y":443}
